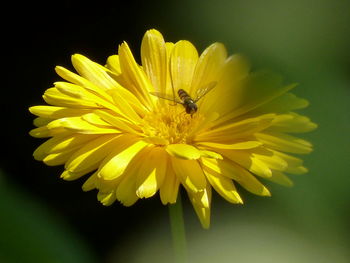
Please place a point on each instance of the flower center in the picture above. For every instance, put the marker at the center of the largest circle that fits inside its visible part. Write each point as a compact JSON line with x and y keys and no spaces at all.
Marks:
{"x":170,"y":124}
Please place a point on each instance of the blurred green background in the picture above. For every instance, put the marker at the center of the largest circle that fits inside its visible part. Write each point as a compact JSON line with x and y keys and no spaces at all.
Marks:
{"x":44,"y":219}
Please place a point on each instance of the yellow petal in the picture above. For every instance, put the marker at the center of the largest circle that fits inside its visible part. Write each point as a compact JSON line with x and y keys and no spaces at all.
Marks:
{"x":85,"y":95}
{"x":254,"y":91}
{"x":183,"y":151}
{"x":183,"y":60}
{"x":169,"y":48}
{"x":118,"y":122}
{"x":169,"y":189}
{"x":90,"y":155}
{"x":211,"y":154}
{"x":70,"y":176}
{"x":58,"y":158}
{"x":294,"y":164}
{"x":92,"y":72}
{"x":224,"y":186}
{"x":284,"y":103}
{"x":190,"y":174}
{"x":116,"y":162}
{"x":95,"y":119}
{"x":126,"y":190}
{"x":292,"y":123}
{"x":138,"y":82}
{"x":201,"y":202}
{"x":235,"y":130}
{"x":106,"y":198}
{"x":228,"y":88}
{"x":280,"y":178}
{"x":151,"y":173}
{"x":77,"y":124}
{"x":126,"y":193}
{"x":240,"y":175}
{"x":156,"y":140}
{"x":208,"y":67}
{"x":40,"y":121}
{"x":128,"y":109}
{"x":285,"y":143}
{"x":90,"y":183}
{"x":54,"y":97}
{"x":56,"y":112}
{"x":44,"y":131}
{"x":273,"y":161}
{"x":61,"y":143}
{"x":247,"y":180}
{"x":117,"y":89}
{"x":248,"y":161}
{"x":113,"y":64}
{"x":78,"y":80}
{"x":235,"y":146}
{"x":153,"y":55}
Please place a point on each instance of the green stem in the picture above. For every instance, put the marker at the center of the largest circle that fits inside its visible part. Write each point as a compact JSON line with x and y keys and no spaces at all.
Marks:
{"x":178,"y":231}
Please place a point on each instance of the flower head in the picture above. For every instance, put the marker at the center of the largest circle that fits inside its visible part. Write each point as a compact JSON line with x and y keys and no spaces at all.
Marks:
{"x":128,"y":127}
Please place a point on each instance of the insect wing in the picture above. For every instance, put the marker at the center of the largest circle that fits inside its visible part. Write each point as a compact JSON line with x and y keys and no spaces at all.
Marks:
{"x":201,"y":92}
{"x":166,"y":97}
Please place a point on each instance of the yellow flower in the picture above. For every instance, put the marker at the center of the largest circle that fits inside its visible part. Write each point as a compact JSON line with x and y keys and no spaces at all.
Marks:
{"x":117,"y":124}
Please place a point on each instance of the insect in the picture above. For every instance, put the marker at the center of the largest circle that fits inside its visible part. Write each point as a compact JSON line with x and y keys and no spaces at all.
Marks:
{"x":185,"y":99}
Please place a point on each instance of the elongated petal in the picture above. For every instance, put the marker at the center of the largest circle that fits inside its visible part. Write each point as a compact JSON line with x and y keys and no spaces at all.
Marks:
{"x":118,"y":122}
{"x":113,"y":64}
{"x":169,"y":189}
{"x":107,"y":198}
{"x":43,"y":132}
{"x":254,"y":91}
{"x":92,"y":72}
{"x":126,"y":190}
{"x":285,"y":103}
{"x":153,"y":55}
{"x":209,"y":66}
{"x":236,"y":130}
{"x":57,"y":112}
{"x":183,"y":151}
{"x":233,"y":146}
{"x":169,"y":48}
{"x":61,"y":143}
{"x":58,"y":158}
{"x":70,"y":176}
{"x":211,"y":154}
{"x":90,"y":183}
{"x":224,"y":186}
{"x":78,"y":80}
{"x":292,"y":123}
{"x":280,"y":178}
{"x":249,"y":161}
{"x":190,"y":174}
{"x":117,"y":161}
{"x":224,"y":97}
{"x":151,"y":173}
{"x":138,"y":82}
{"x":79,"y":125}
{"x":183,"y":60}
{"x":285,"y":143}
{"x":240,"y":175}
{"x":201,"y":202}
{"x":55,"y":97}
{"x":89,"y":156}
{"x":122,"y":92}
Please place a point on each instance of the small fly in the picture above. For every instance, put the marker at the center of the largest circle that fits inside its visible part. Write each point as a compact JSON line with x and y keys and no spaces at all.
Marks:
{"x":185,"y":99}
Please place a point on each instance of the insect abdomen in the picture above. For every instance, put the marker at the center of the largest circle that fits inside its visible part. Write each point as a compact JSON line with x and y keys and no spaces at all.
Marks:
{"x":183,"y":95}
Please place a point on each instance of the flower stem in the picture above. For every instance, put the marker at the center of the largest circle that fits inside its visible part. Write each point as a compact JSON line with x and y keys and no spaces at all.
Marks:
{"x":178,"y":231}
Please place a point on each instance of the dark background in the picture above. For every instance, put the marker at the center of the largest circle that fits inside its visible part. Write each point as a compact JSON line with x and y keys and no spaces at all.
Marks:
{"x":45,"y":219}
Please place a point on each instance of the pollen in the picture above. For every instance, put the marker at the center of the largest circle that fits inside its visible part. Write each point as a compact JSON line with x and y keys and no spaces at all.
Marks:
{"x":170,"y":124}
